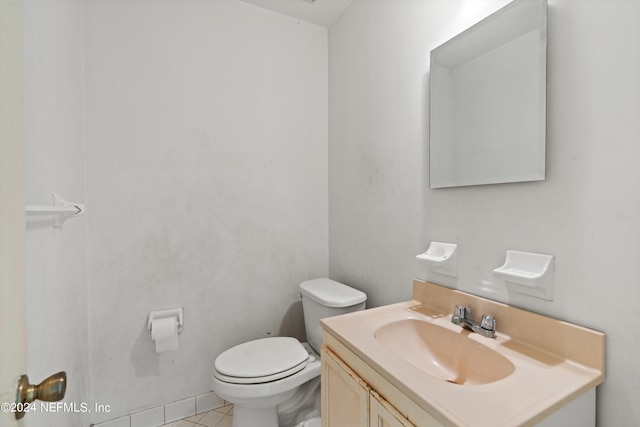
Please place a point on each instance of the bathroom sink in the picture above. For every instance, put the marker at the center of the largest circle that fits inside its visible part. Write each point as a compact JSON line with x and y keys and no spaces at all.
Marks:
{"x":412,"y":352}
{"x":451,"y":356}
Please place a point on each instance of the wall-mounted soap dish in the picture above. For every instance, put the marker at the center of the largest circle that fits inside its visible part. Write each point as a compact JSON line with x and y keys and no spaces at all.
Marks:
{"x":528,"y":273}
{"x":441,"y":258}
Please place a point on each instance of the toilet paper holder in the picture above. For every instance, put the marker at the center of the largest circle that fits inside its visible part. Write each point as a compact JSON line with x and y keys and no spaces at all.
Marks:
{"x":162,"y":314}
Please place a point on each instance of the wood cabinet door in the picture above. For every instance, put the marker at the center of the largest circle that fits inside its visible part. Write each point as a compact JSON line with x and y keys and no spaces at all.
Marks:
{"x":345,"y":396}
{"x":383,"y":414}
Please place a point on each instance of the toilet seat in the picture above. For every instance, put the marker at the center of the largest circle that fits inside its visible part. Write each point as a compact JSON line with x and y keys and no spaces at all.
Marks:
{"x":260,"y":361}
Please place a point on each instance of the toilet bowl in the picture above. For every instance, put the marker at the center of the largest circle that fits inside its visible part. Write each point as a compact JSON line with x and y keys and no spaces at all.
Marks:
{"x":275,"y":382}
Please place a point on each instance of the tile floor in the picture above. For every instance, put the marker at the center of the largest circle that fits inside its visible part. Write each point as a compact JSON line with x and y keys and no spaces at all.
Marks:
{"x":220,"y":417}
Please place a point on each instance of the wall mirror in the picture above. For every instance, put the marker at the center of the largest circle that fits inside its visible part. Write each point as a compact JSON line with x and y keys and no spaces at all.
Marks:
{"x":488,"y":100}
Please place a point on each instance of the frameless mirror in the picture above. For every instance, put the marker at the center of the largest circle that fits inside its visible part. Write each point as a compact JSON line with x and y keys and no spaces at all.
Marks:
{"x":488,"y":100}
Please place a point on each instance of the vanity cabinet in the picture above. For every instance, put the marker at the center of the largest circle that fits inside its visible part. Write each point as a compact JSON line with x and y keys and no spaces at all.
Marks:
{"x":345,"y":396}
{"x":383,"y":414}
{"x":349,"y":398}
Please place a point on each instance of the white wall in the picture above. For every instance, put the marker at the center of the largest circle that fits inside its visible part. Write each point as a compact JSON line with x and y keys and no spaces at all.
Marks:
{"x":206,"y":125}
{"x":586,"y":213}
{"x":54,"y":162}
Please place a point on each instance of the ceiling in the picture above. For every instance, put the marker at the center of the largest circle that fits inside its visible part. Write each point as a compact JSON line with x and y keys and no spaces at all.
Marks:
{"x":320,"y":12}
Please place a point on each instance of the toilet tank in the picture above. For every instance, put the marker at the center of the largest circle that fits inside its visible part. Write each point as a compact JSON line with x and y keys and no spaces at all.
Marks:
{"x":325,"y":298}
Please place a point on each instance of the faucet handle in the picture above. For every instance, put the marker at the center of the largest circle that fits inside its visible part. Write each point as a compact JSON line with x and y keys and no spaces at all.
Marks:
{"x":488,"y":322}
{"x":462,"y":312}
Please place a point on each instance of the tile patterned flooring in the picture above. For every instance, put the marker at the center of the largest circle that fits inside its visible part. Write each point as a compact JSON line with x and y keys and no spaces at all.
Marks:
{"x":220,"y":417}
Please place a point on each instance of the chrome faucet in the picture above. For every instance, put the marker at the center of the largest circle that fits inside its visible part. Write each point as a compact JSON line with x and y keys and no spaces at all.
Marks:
{"x":462,"y":316}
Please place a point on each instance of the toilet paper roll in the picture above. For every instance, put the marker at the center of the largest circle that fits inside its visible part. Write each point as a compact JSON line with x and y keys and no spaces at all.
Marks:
{"x":165,"y":333}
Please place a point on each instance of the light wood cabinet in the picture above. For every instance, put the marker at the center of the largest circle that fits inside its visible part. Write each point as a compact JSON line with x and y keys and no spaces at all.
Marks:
{"x":345,"y":396}
{"x":348,"y":401}
{"x":356,"y":395}
{"x":382,"y":414}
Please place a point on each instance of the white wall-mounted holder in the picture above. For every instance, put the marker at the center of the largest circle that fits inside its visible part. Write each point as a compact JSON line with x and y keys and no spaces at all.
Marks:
{"x":164,"y":327}
{"x":163,"y":314}
{"x":61,"y":210}
{"x":441,"y":258}
{"x":528,"y":273}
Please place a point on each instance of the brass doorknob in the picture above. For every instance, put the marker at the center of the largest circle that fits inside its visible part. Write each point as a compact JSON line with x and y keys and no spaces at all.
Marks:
{"x":51,"y":389}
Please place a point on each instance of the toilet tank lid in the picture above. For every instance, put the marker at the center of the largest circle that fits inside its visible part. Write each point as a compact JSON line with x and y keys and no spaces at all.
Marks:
{"x":331,"y":293}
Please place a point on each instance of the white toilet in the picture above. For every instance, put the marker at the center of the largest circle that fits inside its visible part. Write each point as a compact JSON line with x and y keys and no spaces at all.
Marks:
{"x":275,"y":382}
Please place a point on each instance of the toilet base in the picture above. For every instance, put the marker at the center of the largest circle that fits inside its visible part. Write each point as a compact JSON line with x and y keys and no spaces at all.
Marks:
{"x":300,"y":409}
{"x":258,"y":412}
{"x":303,"y":406}
{"x":313,"y":422}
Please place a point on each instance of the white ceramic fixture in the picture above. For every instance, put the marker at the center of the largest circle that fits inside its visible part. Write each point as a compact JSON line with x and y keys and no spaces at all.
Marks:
{"x":528,"y":273}
{"x":441,"y":258}
{"x":275,"y":382}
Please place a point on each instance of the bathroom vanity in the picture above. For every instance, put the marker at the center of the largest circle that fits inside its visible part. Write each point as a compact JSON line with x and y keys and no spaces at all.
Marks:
{"x":407,"y":364}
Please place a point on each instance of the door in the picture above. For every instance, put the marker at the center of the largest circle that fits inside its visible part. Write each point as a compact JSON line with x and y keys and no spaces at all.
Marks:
{"x":345,"y":396}
{"x":12,"y":222}
{"x":385,"y":415}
